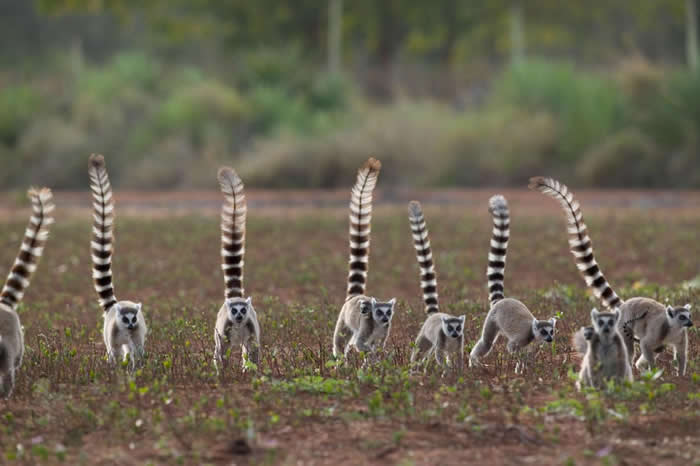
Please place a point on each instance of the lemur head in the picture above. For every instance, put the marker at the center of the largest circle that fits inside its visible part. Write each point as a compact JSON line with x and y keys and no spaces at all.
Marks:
{"x":127,"y":314}
{"x":604,"y":323}
{"x":544,"y":329}
{"x":239,"y":309}
{"x":381,"y":312}
{"x":453,"y":326}
{"x":679,"y":316}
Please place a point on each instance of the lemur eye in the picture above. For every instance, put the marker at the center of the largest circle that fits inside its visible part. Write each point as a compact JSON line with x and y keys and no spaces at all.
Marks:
{"x":682,"y":317}
{"x":388,"y":312}
{"x":133,"y":320}
{"x":243,"y":311}
{"x":600,"y":322}
{"x":458,"y":328}
{"x":543,"y":332}
{"x":125,"y":320}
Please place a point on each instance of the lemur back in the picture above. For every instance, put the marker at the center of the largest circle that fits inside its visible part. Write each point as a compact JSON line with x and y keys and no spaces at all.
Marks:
{"x":508,"y":317}
{"x":442,"y":335}
{"x":366,"y":318}
{"x":637,"y":318}
{"x":237,"y":321}
{"x":11,"y":333}
{"x":124,"y":329}
{"x":605,"y":353}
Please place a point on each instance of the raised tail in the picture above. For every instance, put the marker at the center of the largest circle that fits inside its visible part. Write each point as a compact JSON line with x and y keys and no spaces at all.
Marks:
{"x":360,"y":225}
{"x":32,"y":247}
{"x":579,"y":241}
{"x":102,"y":244}
{"x":428,"y":280}
{"x":495,"y":272}
{"x":233,"y":216}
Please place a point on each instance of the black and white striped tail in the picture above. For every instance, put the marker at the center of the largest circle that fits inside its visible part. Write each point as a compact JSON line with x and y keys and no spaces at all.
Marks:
{"x":32,"y":247}
{"x":360,"y":219}
{"x":495,"y":272}
{"x":579,"y":241}
{"x":102,"y":244}
{"x":233,"y":216}
{"x":428,"y":279}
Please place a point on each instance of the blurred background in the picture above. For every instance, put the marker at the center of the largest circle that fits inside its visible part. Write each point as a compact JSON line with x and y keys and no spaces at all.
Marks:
{"x":297,"y":94}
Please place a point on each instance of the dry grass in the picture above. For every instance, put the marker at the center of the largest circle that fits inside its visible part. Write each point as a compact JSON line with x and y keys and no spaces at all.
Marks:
{"x":298,"y":406}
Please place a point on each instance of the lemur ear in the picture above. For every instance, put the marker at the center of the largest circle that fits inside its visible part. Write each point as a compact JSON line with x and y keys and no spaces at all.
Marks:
{"x":553,"y":321}
{"x":138,"y":307}
{"x":392,"y":301}
{"x":462,"y":318}
{"x":669,"y":311}
{"x":688,"y":306}
{"x":594,"y":313}
{"x":249,"y":301}
{"x":374,"y":302}
{"x":444,"y":319}
{"x":616,"y":313}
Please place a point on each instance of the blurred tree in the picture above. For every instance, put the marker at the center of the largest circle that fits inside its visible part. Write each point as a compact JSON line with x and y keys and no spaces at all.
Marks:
{"x":691,"y":14}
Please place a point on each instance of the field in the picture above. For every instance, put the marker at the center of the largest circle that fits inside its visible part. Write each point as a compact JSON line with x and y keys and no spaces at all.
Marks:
{"x":299,"y":407}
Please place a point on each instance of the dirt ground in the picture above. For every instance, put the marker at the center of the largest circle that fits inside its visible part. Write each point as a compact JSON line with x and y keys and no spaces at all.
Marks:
{"x":300,"y":407}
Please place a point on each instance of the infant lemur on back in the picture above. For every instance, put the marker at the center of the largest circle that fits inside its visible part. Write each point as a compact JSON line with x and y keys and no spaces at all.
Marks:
{"x":124,"y":330}
{"x":11,"y":332}
{"x":442,"y":335}
{"x":603,"y":350}
{"x":237,"y":321}
{"x":654,"y":324}
{"x":366,"y":319}
{"x":508,"y":317}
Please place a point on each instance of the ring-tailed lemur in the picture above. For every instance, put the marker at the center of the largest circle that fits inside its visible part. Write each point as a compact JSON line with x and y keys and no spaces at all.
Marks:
{"x":368,"y":319}
{"x":604,"y":351}
{"x":11,"y":331}
{"x":508,"y":317}
{"x":442,"y":335}
{"x":124,"y":329}
{"x":237,"y":321}
{"x":654,"y":324}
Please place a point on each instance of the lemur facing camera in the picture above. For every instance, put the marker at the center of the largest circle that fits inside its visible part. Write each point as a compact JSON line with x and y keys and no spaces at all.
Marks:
{"x":508,"y":317}
{"x":124,"y":329}
{"x":442,"y":335}
{"x":365,"y":318}
{"x":237,"y":322}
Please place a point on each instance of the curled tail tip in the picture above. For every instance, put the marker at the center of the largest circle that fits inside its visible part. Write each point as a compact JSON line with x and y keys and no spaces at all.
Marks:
{"x":415,"y":209}
{"x":498,"y":204}
{"x":372,"y":164}
{"x":227,"y":176}
{"x":96,"y":161}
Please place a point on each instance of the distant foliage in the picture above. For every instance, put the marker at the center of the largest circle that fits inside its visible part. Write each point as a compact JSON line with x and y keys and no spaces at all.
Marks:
{"x":284,"y":125}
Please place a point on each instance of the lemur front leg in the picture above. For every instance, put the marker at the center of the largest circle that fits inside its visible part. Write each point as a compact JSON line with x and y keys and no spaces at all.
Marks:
{"x":647,"y":357}
{"x":680,"y":354}
{"x":515,"y":349}
{"x":219,"y":361}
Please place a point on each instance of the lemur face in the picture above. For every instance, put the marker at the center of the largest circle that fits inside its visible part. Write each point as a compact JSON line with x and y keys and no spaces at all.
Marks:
{"x":544,"y":330}
{"x":238,"y":309}
{"x":453,"y":327}
{"x":127,"y":316}
{"x":605,"y":322}
{"x":382,"y":312}
{"x":679,"y":316}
